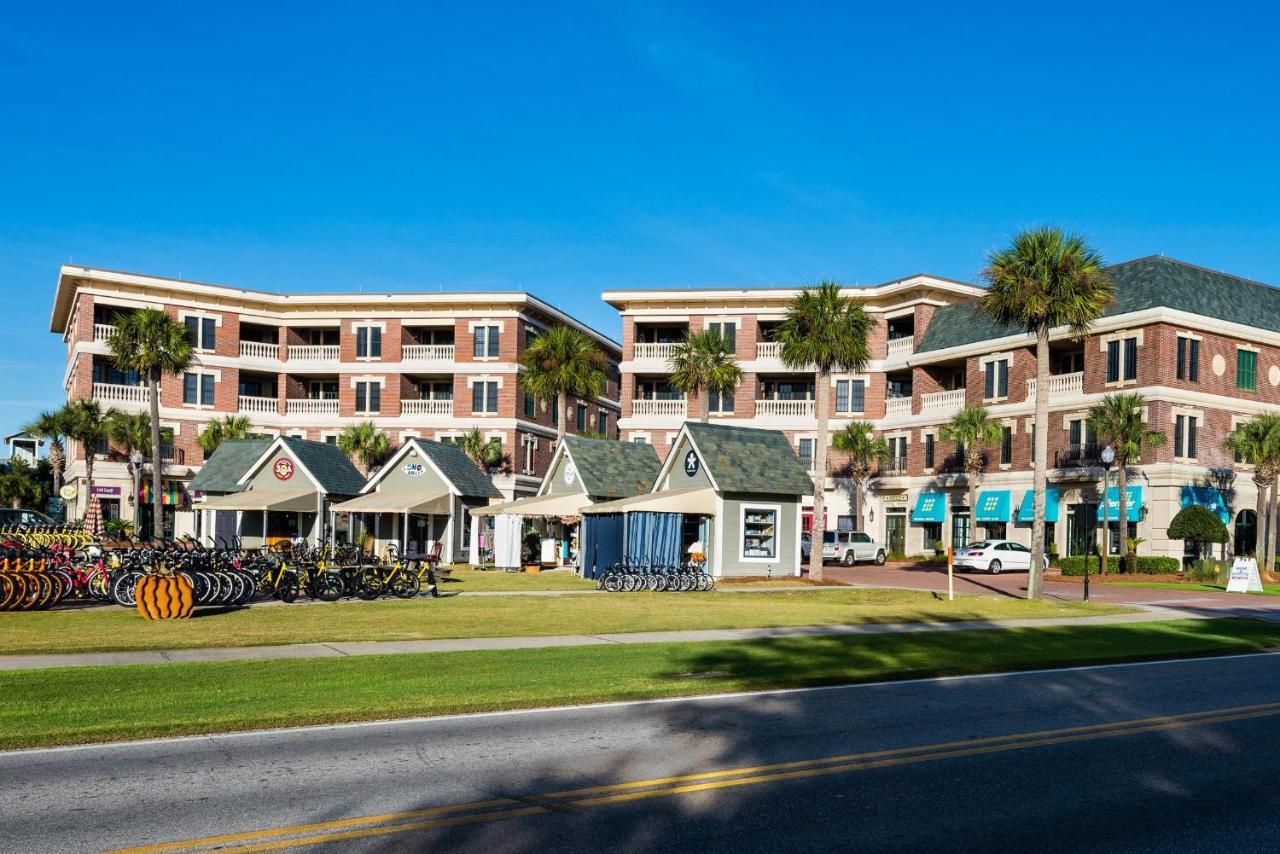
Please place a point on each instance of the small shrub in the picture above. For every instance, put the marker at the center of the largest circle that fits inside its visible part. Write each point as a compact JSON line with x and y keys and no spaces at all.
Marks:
{"x":1209,"y":571}
{"x":1143,"y":565}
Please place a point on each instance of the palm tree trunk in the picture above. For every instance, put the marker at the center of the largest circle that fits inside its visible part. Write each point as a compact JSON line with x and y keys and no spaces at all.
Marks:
{"x":704,"y":414}
{"x":1270,"y":557}
{"x":88,"y":477}
{"x":1122,"y":510}
{"x":157,"y":462}
{"x":562,"y":416}
{"x":137,"y":502}
{"x":1040,"y":481}
{"x":971,"y":477}
{"x":57,"y":461}
{"x":1260,"y":521}
{"x":821,"y":392}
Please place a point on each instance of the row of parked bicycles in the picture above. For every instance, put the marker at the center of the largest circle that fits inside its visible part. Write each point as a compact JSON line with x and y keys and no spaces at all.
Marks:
{"x":625,"y":577}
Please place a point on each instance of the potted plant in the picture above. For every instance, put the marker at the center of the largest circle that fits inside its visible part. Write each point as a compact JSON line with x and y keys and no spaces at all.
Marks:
{"x":1053,"y":554}
{"x":1131,"y":553}
{"x":939,"y":548}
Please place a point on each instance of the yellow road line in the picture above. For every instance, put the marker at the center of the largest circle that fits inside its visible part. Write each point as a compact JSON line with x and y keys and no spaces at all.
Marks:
{"x":502,"y":809}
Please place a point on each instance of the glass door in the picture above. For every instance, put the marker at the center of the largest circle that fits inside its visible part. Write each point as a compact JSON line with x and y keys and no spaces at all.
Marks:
{"x":895,"y":532}
{"x":1082,"y":525}
{"x":959,"y":529}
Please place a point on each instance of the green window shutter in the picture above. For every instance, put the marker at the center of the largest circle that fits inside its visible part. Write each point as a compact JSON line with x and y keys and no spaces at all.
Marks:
{"x":1246,"y":370}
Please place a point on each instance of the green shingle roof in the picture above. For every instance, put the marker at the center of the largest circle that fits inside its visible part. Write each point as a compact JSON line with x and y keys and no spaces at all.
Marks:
{"x":227,"y":465}
{"x":748,"y":459}
{"x":1155,"y":282}
{"x":458,"y":468}
{"x":328,"y":465}
{"x":613,"y":469}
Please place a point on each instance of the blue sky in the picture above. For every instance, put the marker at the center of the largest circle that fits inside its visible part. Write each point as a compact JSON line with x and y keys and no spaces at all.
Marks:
{"x":569,"y":148}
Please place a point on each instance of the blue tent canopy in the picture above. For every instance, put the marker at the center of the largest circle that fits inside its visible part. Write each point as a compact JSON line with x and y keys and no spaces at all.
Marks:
{"x":1133,"y":504}
{"x":1208,"y":498}
{"x":1052,"y":503}
{"x":930,"y":507}
{"x":994,"y":505}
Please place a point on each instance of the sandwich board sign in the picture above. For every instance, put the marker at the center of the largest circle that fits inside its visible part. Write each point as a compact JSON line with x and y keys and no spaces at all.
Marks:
{"x":1244,"y":576}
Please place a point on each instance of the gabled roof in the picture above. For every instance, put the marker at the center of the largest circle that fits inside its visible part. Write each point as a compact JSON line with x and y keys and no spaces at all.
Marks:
{"x":222,"y":471}
{"x":452,"y":463}
{"x":612,"y":469}
{"x":747,"y":459}
{"x":1153,"y":282}
{"x":324,"y":463}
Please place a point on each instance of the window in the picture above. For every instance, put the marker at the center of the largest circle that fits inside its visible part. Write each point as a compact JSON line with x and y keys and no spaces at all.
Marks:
{"x":368,"y":342}
{"x":1246,"y":370}
{"x":996,"y":382}
{"x":530,"y":406}
{"x":197,"y":389}
{"x":486,"y":342}
{"x":368,"y":397}
{"x":805,"y":447}
{"x":851,"y":395}
{"x":1079,"y":432}
{"x":582,"y":419}
{"x":640,"y":440}
{"x":530,"y":444}
{"x":1122,"y":359}
{"x":439,"y":390}
{"x":729,"y":331}
{"x":484,"y":398}
{"x":555,"y":411}
{"x":331,"y":439}
{"x":602,"y":424}
{"x":928,"y":450}
{"x":721,"y":402}
{"x":1188,"y":359}
{"x":531,"y":334}
{"x":1184,"y":436}
{"x":759,"y":533}
{"x":202,"y":332}
{"x":1006,"y":446}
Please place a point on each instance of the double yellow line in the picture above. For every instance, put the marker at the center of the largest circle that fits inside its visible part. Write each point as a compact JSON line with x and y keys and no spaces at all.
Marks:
{"x":504,"y":809}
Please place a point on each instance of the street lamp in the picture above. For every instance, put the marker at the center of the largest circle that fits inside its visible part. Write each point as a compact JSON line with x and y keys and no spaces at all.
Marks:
{"x":1108,"y":457}
{"x":135,"y":462}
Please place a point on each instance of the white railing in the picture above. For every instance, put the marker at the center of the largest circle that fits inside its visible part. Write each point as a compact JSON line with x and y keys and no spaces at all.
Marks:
{"x":313,"y":353}
{"x":942,"y":402}
{"x":658,"y":407}
{"x":311,"y":406}
{"x":768,"y":349}
{"x":427,"y":353}
{"x":258,"y":405}
{"x":788,"y":408}
{"x":900,"y":348}
{"x":102,"y":331}
{"x":120,"y":393}
{"x":897,"y":407}
{"x":259,"y":350}
{"x":1059,"y":385}
{"x":655,"y":351}
{"x":426,"y":407}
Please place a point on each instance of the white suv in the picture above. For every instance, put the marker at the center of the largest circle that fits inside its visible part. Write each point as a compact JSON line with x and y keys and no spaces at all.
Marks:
{"x":849,"y":547}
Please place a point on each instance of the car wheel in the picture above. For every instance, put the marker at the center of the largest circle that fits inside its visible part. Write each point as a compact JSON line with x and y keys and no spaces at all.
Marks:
{"x":848,"y":559}
{"x":880,"y":558}
{"x":994,"y":567}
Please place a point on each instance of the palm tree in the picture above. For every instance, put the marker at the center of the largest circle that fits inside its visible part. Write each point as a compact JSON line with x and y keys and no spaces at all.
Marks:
{"x":156,"y":346}
{"x":971,"y":428}
{"x":864,"y":449}
{"x":1045,"y":279}
{"x":1257,"y":442}
{"x":131,"y":432}
{"x":827,"y":332}
{"x":560,"y":362}
{"x":485,"y":453}
{"x":87,"y":426}
{"x":703,"y":362}
{"x":365,"y":444}
{"x":1116,"y":420}
{"x":230,"y":428}
{"x":19,"y":484}
{"x":52,"y":428}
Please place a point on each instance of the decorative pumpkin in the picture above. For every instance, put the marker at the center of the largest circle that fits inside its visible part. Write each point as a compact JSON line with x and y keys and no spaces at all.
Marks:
{"x":164,"y":597}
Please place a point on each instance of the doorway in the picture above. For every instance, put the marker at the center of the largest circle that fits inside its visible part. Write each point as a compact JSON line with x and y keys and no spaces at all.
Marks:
{"x":1082,"y":526}
{"x":960,"y":528}
{"x":895,"y":533}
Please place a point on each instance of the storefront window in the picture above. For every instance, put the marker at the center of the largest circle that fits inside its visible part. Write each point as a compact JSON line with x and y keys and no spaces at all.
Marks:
{"x":995,"y":530}
{"x":959,"y":530}
{"x":932,"y":534}
{"x":760,"y":533}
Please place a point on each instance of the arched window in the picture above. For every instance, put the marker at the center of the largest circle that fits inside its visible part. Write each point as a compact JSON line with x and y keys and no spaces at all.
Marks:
{"x":1246,"y":532}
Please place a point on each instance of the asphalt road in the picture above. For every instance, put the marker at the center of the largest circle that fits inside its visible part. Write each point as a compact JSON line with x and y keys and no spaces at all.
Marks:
{"x":1178,"y":756}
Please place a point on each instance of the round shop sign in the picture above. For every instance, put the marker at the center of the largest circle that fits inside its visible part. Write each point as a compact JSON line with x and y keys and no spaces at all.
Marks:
{"x":691,"y":464}
{"x":570,"y":473}
{"x":68,"y":492}
{"x":282,"y":469}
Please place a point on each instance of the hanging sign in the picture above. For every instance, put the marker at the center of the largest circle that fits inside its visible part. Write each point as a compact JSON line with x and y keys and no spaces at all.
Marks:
{"x":691,"y":464}
{"x":68,"y":492}
{"x":1244,"y":576}
{"x":282,"y":469}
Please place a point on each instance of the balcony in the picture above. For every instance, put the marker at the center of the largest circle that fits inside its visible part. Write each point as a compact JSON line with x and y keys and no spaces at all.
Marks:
{"x":102,"y":331}
{"x":259,"y":350}
{"x":428,"y":353}
{"x":659,"y":408}
{"x":311,"y":405}
{"x":257,"y":405}
{"x":663,"y":352}
{"x":1060,"y":385}
{"x":768,"y":349}
{"x":897,"y":407}
{"x":1079,"y":456}
{"x":942,"y":403}
{"x":426,"y":407}
{"x":313,"y":352}
{"x":785,"y":408}
{"x":894,"y":465}
{"x":900,"y":348}
{"x":109,"y":393}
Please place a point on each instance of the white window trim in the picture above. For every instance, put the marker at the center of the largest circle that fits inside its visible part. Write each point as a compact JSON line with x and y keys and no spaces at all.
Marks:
{"x":471,"y":384}
{"x":201,"y":314}
{"x":381,"y":326}
{"x":1012,"y":424}
{"x":924,"y":443}
{"x":640,"y":434}
{"x":742,"y":532}
{"x":850,"y":378}
{"x":201,"y":372}
{"x":473,"y":325}
{"x":1198,"y":416}
{"x":1005,"y":357}
{"x":1121,"y":336}
{"x":529,"y":448}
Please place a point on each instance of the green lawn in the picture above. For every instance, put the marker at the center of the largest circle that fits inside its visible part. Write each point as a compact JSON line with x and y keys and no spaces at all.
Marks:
{"x":1199,"y":587}
{"x":115,"y":628}
{"x":47,"y":707}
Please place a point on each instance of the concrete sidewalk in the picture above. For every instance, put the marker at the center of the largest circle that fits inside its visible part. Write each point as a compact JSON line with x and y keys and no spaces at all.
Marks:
{"x":339,"y":650}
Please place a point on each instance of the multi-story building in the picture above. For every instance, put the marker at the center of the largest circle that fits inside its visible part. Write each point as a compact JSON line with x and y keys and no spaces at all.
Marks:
{"x":1203,"y":348}
{"x":432,"y":365}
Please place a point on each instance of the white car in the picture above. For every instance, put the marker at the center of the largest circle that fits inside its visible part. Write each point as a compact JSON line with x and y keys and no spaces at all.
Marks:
{"x":849,"y":547}
{"x":993,"y":556}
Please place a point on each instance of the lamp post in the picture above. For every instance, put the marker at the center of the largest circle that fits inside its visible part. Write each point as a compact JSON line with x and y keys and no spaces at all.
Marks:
{"x":135,"y":466}
{"x":1108,"y":457}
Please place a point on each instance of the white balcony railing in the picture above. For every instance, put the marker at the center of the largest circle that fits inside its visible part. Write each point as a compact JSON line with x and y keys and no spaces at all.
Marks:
{"x":426,"y":407}
{"x":110,"y":393}
{"x":787,"y":408}
{"x":897,"y":407}
{"x":768,"y":349}
{"x":313,"y":353}
{"x":427,"y":353}
{"x":259,"y":350}
{"x":655,"y":351}
{"x":900,"y":348}
{"x":659,"y":407}
{"x":1059,"y":385}
{"x":102,"y":331}
{"x":258,"y":405}
{"x":311,"y":406}
{"x":942,"y":402}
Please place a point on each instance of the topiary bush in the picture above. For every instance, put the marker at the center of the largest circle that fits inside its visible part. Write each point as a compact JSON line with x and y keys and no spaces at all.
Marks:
{"x":1199,"y":525}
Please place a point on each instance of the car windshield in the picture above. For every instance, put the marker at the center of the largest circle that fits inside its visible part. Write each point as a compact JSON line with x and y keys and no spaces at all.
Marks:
{"x":979,"y":545}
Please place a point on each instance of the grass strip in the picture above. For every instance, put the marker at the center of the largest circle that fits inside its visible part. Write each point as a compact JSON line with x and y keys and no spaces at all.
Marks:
{"x":104,"y":629}
{"x":76,"y":705}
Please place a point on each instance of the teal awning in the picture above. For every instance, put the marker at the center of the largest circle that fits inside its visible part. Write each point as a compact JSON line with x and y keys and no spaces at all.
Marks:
{"x":930,"y":507}
{"x":1052,"y":501}
{"x":1208,"y":498}
{"x":1133,"y":504}
{"x":994,"y":505}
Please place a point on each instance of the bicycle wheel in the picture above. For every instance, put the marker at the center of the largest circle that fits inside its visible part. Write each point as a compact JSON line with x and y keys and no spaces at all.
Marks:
{"x":326,"y":586}
{"x":369,"y":585}
{"x":405,"y":585}
{"x":122,"y":589}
